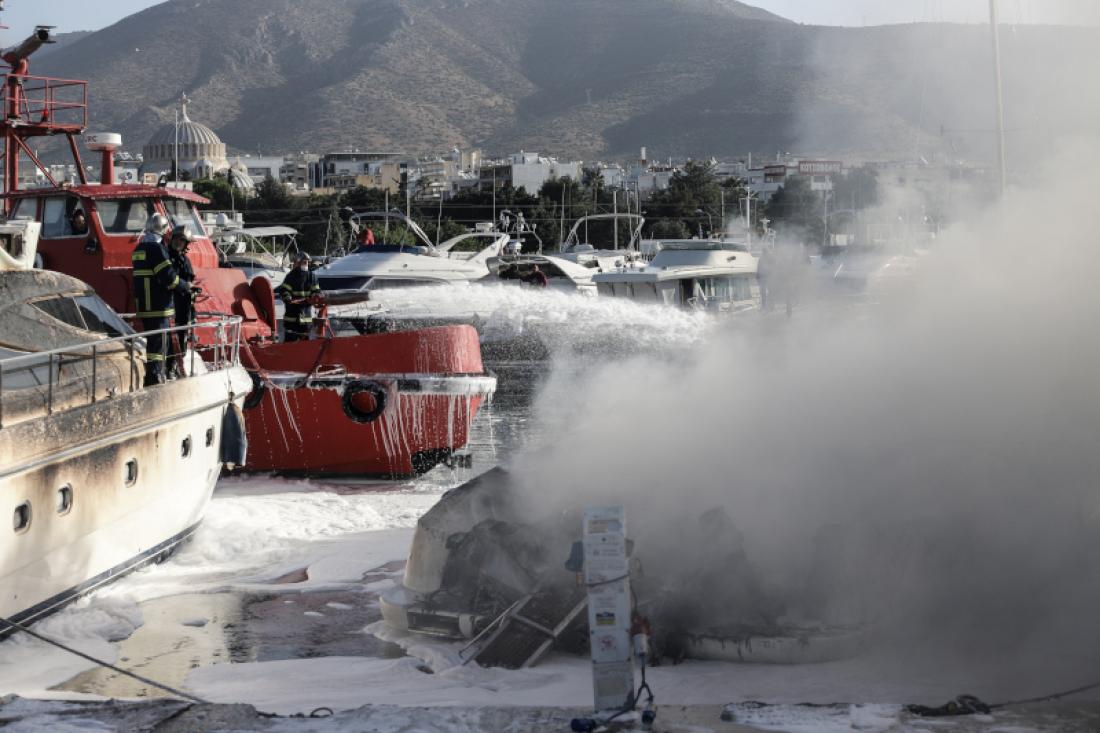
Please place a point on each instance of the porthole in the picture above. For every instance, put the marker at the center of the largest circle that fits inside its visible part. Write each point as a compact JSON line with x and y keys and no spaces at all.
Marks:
{"x":185,"y":447}
{"x":64,"y":499}
{"x":209,"y":437}
{"x":131,"y":472}
{"x":21,"y":520}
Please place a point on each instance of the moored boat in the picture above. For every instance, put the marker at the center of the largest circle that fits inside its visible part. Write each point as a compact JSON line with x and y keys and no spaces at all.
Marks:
{"x":700,"y":274}
{"x":298,"y":423}
{"x":98,"y":473}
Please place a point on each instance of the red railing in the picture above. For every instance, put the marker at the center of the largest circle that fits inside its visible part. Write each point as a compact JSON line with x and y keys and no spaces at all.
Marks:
{"x":46,"y":103}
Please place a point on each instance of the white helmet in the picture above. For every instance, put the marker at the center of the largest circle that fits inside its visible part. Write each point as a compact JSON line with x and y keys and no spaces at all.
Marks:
{"x":157,"y":224}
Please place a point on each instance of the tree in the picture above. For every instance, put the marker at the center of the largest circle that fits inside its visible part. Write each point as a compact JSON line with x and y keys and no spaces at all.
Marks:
{"x":692,"y":189}
{"x":669,"y":229}
{"x":735,"y":192}
{"x":184,"y":174}
{"x":216,"y":189}
{"x":799,"y":210}
{"x":856,"y":190}
{"x":272,"y":198}
{"x":561,"y":202}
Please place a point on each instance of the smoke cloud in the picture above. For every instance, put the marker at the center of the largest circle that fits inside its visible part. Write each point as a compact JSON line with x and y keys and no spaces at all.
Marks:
{"x":924,"y":461}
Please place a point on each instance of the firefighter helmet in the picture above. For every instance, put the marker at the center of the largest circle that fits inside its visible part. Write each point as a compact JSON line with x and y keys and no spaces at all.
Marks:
{"x":157,"y":224}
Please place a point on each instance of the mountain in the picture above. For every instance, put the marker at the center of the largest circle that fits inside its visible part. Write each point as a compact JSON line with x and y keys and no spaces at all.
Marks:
{"x":61,"y":40}
{"x":574,"y":78}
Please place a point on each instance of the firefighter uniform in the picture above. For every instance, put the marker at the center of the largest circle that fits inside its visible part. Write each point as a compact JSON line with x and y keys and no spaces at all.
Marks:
{"x":185,"y":308}
{"x":155,"y":283}
{"x":184,"y":301}
{"x":298,"y":287}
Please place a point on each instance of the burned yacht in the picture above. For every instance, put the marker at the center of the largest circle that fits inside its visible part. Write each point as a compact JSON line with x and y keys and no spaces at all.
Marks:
{"x":97,"y":473}
{"x":481,"y":569}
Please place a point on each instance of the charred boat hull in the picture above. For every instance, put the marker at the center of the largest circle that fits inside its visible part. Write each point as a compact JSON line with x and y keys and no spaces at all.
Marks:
{"x":102,"y":489}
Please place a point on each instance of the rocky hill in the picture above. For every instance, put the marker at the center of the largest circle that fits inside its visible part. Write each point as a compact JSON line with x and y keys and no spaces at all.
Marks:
{"x":569,"y":77}
{"x":61,"y":40}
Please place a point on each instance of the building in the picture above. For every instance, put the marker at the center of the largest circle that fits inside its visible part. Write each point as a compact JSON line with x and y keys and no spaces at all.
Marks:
{"x":390,"y":176}
{"x":260,"y":167}
{"x":300,"y":170}
{"x":200,"y":152}
{"x":355,"y":168}
{"x":527,"y":171}
{"x":764,"y":181}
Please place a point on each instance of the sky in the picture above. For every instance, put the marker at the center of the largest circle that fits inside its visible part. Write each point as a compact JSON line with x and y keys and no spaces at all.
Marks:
{"x":70,"y":15}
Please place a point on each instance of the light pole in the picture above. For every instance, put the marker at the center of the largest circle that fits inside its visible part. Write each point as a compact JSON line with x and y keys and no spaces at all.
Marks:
{"x":1002,"y":158}
{"x":710,"y":222}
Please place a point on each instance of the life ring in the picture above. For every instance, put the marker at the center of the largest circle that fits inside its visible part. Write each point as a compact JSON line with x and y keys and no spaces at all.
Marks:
{"x":256,"y":396}
{"x":364,"y":387}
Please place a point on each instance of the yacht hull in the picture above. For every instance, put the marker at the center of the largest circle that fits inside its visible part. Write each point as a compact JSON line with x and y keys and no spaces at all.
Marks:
{"x":133,"y":494}
{"x":429,"y":385}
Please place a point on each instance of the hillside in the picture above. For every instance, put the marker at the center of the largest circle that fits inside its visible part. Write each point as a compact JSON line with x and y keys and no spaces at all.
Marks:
{"x":569,"y":77}
{"x":61,"y":40}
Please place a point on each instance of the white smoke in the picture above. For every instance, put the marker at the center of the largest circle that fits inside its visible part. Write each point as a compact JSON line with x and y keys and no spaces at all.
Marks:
{"x":930,"y":457}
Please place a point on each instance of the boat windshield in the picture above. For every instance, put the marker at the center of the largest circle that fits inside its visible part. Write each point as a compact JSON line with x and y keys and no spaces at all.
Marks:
{"x":183,"y":213}
{"x":367,"y":249}
{"x":124,"y":216}
{"x":86,"y":312}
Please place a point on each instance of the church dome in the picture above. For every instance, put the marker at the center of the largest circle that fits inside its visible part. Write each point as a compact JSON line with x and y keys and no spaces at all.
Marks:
{"x":198,"y":148}
{"x":191,"y":133}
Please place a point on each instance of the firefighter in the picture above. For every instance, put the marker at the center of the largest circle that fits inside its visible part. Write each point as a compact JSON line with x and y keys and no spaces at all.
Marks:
{"x":298,"y":287}
{"x":178,"y":243}
{"x":536,"y":278}
{"x":155,"y":283}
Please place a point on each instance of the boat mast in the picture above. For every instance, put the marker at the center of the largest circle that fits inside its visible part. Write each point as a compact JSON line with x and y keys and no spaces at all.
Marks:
{"x":1001,"y":155}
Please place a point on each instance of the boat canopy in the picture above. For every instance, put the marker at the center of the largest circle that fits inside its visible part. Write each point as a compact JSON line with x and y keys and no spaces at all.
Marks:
{"x":97,"y":192}
{"x":359,"y":219}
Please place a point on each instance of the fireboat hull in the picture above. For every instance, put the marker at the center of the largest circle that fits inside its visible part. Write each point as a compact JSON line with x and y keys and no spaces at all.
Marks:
{"x":388,"y":405}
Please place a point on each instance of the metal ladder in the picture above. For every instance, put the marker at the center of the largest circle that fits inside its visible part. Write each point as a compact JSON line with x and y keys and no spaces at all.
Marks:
{"x":520,"y":636}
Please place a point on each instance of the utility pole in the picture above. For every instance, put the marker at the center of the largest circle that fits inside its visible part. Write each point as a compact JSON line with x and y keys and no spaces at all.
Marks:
{"x":748,"y":215}
{"x":176,"y":153}
{"x":615,"y":211}
{"x":1002,"y":158}
{"x":561,"y":224}
{"x":722,"y":195}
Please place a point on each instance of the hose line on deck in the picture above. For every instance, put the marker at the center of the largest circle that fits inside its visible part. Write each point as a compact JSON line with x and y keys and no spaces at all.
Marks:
{"x":100,"y":662}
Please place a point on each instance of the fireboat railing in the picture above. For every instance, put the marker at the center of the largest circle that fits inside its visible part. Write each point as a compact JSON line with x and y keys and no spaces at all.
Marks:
{"x":45,"y":368}
{"x":47,"y":101}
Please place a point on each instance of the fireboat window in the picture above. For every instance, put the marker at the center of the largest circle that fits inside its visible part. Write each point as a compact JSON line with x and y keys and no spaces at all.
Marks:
{"x":57,"y":217}
{"x":127,"y":216}
{"x":182,"y":212}
{"x":25,"y":208}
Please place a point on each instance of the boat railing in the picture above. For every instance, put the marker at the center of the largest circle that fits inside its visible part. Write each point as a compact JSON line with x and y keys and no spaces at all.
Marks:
{"x":47,"y":103}
{"x":218,"y":350}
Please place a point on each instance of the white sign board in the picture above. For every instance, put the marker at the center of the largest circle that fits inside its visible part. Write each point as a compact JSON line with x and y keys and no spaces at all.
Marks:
{"x":606,"y":571}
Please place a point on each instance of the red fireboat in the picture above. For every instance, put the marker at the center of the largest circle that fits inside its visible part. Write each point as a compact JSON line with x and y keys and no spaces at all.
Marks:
{"x":378,"y":405}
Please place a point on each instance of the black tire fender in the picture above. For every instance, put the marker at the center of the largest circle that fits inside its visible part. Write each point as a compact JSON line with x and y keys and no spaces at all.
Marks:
{"x":256,"y":396}
{"x":357,"y":387}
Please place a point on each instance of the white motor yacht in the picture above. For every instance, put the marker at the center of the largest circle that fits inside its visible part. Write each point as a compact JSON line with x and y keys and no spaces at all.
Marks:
{"x":701,"y":274}
{"x":576,"y":247}
{"x":98,"y":474}
{"x":384,"y":265}
{"x":257,"y":251}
